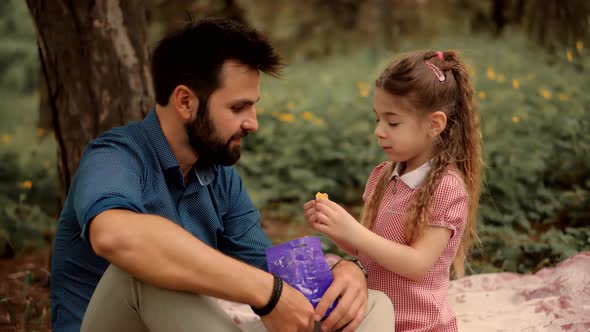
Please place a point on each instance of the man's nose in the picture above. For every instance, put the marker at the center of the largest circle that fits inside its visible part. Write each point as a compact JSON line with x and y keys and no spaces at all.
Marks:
{"x":251,"y":124}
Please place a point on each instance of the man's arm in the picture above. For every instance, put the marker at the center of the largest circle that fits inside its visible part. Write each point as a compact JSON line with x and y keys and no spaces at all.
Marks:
{"x":106,"y":195}
{"x":159,"y":252}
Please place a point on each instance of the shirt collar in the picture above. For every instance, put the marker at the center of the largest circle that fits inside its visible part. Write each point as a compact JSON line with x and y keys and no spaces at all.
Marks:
{"x":167,"y":159}
{"x":154,"y":132}
{"x":414,"y":178}
{"x":205,"y":174}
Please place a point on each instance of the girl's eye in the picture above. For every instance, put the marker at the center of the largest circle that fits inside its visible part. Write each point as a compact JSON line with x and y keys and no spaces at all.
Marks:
{"x":393,"y":124}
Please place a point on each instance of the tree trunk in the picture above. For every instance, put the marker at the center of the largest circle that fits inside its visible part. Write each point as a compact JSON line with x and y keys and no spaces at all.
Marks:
{"x":95,"y":64}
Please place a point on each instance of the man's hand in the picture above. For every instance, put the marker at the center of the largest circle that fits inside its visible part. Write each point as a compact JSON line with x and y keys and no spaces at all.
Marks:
{"x":350,"y":285}
{"x":293,"y":312}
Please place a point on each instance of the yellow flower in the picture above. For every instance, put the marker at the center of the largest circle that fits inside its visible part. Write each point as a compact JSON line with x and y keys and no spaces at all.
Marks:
{"x":515,"y":84}
{"x":318,"y":122}
{"x":563,"y":97}
{"x":364,"y":88}
{"x":6,"y":138}
{"x":290,"y":105}
{"x":260,"y":110}
{"x":490,"y":73}
{"x":515,"y":119}
{"x":307,"y":115}
{"x":286,"y":117}
{"x":501,"y":78}
{"x":27,"y":184}
{"x":482,"y":95}
{"x":545,"y":93}
{"x":569,"y":55}
{"x":363,"y":85}
{"x":40,"y":132}
{"x":579,"y":45}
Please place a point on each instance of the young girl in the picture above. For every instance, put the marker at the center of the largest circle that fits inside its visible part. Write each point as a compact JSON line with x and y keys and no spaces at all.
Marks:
{"x":420,"y":207}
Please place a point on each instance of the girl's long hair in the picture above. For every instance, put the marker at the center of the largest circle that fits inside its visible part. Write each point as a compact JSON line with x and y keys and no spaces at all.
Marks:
{"x":459,"y":145}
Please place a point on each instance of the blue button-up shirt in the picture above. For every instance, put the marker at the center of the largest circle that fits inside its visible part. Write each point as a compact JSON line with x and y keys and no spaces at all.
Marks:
{"x":132,"y":167}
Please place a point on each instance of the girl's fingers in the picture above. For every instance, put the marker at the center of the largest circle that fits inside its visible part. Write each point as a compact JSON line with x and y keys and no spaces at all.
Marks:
{"x":331,"y":204}
{"x":322,"y":228}
{"x":324,"y":208}
{"x":308,"y":205}
{"x":322,"y":219}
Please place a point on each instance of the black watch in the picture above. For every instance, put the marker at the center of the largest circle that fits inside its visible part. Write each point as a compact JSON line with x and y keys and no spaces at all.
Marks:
{"x":358,"y":263}
{"x":355,"y":261}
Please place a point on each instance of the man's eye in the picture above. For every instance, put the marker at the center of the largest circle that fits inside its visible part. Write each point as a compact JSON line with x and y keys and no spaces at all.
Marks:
{"x":237,"y":108}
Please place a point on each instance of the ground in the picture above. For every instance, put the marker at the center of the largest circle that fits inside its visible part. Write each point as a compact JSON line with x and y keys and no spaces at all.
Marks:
{"x":24,"y":283}
{"x":24,"y":293}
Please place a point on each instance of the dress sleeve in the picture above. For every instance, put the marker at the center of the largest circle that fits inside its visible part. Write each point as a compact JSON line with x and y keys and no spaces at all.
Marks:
{"x":373,"y":179}
{"x":451,"y":205}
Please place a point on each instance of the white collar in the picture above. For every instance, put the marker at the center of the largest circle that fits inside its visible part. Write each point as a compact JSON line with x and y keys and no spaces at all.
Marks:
{"x":414,"y":178}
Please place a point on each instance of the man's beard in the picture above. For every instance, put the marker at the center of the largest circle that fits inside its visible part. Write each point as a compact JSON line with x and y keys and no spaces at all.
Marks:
{"x":210,"y":148}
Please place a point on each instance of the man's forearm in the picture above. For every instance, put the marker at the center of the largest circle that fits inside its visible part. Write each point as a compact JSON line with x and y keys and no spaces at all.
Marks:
{"x":159,"y":252}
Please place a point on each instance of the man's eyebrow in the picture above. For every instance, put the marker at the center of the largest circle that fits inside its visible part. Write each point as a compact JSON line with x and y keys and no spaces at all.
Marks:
{"x":245,"y":101}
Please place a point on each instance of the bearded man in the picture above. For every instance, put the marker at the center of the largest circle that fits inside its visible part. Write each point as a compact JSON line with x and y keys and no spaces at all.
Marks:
{"x":157,"y":221}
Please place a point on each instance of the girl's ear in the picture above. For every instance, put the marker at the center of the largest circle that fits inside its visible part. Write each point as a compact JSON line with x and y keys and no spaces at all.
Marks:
{"x":438,"y":123}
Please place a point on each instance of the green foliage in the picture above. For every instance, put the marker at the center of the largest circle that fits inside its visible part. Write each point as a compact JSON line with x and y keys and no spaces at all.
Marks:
{"x":18,"y":51}
{"x":28,"y":180}
{"x":316,"y":139}
{"x":535,"y":204}
{"x":316,"y":133}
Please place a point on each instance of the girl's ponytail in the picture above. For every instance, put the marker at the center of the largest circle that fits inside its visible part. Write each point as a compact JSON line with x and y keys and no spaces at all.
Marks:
{"x":466,"y":140}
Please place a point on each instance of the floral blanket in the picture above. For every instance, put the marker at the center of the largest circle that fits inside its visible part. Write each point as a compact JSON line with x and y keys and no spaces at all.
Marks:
{"x":553,"y":299}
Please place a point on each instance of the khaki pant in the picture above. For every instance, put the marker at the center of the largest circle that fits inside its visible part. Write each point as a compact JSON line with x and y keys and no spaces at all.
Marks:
{"x":122,"y":303}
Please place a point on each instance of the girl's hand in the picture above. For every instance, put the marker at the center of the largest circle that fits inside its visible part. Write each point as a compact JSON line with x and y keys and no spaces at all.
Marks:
{"x":309,"y":212}
{"x":331,"y":219}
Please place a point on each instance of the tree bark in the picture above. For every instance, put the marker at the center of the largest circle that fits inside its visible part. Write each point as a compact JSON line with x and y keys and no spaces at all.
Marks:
{"x":95,"y":65}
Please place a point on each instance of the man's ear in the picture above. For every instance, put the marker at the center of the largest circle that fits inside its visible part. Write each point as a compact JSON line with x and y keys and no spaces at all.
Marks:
{"x":185,"y":102}
{"x":438,"y":123}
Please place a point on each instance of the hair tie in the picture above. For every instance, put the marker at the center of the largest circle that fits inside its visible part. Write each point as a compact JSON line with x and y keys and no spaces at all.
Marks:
{"x":439,"y":55}
{"x":439,"y":74}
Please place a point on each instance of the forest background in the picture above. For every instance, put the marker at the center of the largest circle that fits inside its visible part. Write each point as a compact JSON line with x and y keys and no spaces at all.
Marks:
{"x":529,"y":60}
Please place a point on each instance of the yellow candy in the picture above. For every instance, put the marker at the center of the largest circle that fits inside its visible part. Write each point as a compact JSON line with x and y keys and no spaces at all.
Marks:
{"x":321,"y":195}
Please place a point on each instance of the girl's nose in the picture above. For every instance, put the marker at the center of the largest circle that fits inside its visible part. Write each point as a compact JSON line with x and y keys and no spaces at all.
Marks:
{"x":379,"y":131}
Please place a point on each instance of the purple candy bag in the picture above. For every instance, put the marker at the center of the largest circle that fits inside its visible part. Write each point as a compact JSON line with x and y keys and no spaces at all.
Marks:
{"x":301,"y":264}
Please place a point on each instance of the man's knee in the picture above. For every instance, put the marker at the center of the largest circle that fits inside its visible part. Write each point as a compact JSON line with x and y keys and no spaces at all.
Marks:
{"x":380,"y":301}
{"x":115,"y":274}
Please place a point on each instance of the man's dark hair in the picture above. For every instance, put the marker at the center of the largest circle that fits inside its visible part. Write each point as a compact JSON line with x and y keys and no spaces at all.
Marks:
{"x":195,"y":54}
